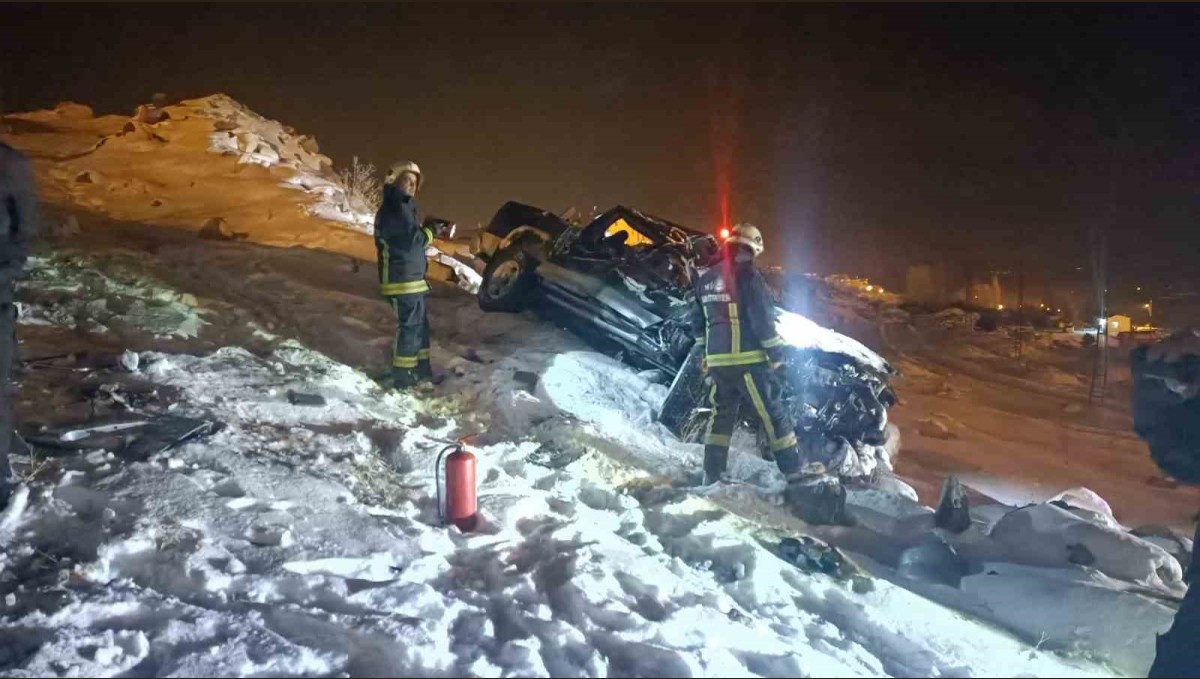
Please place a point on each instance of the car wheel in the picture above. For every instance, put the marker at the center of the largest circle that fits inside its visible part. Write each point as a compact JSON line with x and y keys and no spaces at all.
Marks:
{"x":507,"y":281}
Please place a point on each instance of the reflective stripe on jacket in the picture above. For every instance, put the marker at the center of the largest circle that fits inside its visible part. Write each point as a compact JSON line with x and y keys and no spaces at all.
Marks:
{"x":739,"y":315}
{"x":400,"y":243}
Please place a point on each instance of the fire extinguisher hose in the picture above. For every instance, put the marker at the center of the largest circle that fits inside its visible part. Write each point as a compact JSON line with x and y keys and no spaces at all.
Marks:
{"x":437,"y":478}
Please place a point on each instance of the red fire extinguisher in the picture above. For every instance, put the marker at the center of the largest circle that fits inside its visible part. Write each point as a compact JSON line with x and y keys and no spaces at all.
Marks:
{"x":461,"y":508}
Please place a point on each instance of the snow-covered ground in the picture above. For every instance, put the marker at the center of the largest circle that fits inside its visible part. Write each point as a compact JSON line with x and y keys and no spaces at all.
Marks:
{"x":304,"y":540}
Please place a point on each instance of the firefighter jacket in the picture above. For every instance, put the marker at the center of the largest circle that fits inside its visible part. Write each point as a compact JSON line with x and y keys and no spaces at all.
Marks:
{"x":400,"y":243}
{"x":738,"y":323}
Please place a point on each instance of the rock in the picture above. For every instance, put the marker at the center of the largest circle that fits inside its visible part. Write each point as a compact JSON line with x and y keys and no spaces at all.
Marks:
{"x":528,"y":379}
{"x":821,"y":501}
{"x":270,"y":536}
{"x":935,"y":562}
{"x":889,"y":514}
{"x":1085,"y":498}
{"x":935,"y":429}
{"x":309,"y":144}
{"x":214,"y":229}
{"x":129,"y":360}
{"x":862,"y":585}
{"x":150,"y":114}
{"x":1176,"y":545}
{"x":809,"y":554}
{"x":1048,"y":535}
{"x":224,"y":125}
{"x":143,"y":130}
{"x":218,"y":229}
{"x":953,"y":510}
{"x":1155,"y":530}
{"x":298,"y":398}
{"x":890,"y":484}
{"x":1087,"y":505}
{"x":87,"y":177}
{"x":69,"y":110}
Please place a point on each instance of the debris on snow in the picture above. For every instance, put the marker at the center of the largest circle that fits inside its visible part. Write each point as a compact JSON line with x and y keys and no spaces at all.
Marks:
{"x":953,"y":510}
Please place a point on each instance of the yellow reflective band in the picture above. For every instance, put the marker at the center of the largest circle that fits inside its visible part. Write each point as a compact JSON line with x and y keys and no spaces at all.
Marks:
{"x":760,"y":407}
{"x":717,"y":440}
{"x":423,"y":354}
{"x":404,"y":362}
{"x":735,"y":328}
{"x":383,"y":271}
{"x":743,"y":358}
{"x":428,"y":235}
{"x":785,"y":442}
{"x":773,"y":342}
{"x":405,"y":288}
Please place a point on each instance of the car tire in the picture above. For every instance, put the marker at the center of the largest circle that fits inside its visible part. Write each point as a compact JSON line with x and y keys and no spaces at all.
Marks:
{"x":508,"y":281}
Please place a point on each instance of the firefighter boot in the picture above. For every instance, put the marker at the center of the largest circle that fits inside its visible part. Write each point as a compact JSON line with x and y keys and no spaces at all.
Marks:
{"x":715,"y":458}
{"x":404,"y":379}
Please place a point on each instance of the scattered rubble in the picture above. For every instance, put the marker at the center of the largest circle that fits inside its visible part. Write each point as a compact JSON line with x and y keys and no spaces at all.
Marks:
{"x":953,"y":510}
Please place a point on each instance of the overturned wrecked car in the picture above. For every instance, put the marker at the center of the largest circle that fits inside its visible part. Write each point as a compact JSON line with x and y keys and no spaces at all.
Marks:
{"x":624,"y":282}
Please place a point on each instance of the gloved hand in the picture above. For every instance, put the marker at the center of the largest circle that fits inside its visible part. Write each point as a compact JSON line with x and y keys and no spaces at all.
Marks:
{"x":704,"y":365}
{"x":441,"y":228}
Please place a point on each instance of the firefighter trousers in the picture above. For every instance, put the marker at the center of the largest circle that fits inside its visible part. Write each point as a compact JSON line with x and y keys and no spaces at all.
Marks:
{"x":410,"y":358}
{"x":732,"y":387}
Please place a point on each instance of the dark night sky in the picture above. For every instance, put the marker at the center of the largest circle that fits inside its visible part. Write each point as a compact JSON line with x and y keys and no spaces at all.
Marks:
{"x":860,"y":137}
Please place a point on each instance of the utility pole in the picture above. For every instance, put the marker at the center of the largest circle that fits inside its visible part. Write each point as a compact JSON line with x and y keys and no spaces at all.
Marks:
{"x":1020,"y":309}
{"x":1099,"y":257}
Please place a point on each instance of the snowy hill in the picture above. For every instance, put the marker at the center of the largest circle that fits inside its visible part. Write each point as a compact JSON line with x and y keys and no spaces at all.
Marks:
{"x":305,"y":540}
{"x":208,"y":164}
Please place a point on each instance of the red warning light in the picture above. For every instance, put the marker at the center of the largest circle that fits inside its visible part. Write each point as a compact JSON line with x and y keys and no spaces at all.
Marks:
{"x":724,"y":233}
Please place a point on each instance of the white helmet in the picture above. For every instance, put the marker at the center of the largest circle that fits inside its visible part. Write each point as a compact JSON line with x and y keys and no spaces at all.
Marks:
{"x":400,"y":167}
{"x":747,"y":234}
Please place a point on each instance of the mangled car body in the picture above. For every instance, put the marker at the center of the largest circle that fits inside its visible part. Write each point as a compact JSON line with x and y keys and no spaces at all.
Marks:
{"x":624,"y":282}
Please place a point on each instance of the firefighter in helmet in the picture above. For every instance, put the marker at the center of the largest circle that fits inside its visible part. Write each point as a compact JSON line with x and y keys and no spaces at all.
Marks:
{"x":400,"y":242}
{"x":741,"y":351}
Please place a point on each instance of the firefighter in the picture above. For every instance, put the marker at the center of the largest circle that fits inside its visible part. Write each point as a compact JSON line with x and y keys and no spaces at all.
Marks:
{"x":18,"y":223}
{"x":1166,"y":415}
{"x":400,"y":242}
{"x":742,"y":349}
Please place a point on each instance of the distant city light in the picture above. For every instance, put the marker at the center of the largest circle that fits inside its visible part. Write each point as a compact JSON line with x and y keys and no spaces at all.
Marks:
{"x":1000,"y":307}
{"x":870,"y":288}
